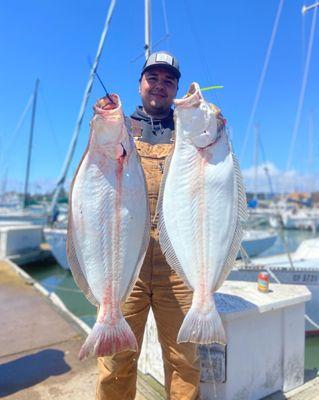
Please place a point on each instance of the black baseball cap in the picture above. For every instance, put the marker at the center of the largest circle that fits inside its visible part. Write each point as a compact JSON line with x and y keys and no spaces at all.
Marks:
{"x":162,"y":59}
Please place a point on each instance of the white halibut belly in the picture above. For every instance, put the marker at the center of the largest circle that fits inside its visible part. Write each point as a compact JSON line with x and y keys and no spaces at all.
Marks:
{"x":108,"y":226}
{"x":200,"y":230}
{"x":199,"y":210}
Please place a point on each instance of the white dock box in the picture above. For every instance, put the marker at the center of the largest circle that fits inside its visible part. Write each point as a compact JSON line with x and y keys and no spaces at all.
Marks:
{"x":266,"y":343}
{"x":18,"y":239}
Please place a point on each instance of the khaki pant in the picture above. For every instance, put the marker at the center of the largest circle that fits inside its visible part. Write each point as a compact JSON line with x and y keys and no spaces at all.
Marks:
{"x":159,"y":287}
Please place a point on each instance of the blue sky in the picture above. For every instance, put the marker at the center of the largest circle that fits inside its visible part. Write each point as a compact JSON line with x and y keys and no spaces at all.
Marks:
{"x":216,"y":43}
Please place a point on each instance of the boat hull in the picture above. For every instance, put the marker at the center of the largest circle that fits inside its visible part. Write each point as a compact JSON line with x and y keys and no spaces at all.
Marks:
{"x":56,"y":239}
{"x":256,"y":244}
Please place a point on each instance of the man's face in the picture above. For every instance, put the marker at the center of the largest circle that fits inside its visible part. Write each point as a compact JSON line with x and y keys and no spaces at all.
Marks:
{"x":158,"y":88}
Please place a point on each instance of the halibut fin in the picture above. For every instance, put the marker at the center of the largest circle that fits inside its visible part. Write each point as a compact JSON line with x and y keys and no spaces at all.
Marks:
{"x":106,"y":340}
{"x":242,"y":218}
{"x":77,"y":272}
{"x":202,"y":328}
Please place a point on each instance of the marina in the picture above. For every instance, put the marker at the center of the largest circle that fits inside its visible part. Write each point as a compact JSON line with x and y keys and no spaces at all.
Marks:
{"x":257,"y":324}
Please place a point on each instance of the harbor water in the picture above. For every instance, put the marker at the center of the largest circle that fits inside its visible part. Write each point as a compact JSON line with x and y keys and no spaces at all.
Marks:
{"x":57,"y":280}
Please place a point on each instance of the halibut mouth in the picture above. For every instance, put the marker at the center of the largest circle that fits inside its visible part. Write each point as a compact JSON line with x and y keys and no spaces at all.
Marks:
{"x":192,"y":97}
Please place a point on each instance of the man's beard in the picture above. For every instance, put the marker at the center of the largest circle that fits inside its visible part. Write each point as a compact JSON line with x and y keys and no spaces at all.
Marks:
{"x":158,"y":106}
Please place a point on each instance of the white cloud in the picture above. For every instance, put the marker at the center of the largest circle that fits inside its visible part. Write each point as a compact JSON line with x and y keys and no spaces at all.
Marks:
{"x":280,"y":181}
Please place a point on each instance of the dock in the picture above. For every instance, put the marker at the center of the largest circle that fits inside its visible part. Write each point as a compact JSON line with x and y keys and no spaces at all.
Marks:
{"x":39,"y":344}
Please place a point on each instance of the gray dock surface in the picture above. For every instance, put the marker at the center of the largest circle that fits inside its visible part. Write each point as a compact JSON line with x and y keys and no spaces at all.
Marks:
{"x":308,"y":391}
{"x":39,"y":346}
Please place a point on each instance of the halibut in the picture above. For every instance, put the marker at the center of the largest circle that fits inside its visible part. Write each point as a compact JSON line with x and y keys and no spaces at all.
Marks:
{"x":201,"y":212}
{"x":108,"y":227}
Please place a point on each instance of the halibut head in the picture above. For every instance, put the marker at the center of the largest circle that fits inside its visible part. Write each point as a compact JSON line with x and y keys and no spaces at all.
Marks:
{"x":201,"y":212}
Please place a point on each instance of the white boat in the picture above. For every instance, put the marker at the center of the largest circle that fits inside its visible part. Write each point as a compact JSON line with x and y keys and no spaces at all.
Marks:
{"x":303,"y":269}
{"x":257,"y":241}
{"x":56,"y":239}
{"x":257,"y":217}
{"x":275,"y":221}
{"x":35,"y":215}
{"x":294,"y":218}
{"x":301,"y":219}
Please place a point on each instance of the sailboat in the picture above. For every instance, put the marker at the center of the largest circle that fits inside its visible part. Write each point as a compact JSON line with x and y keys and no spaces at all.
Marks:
{"x":12,"y":212}
{"x":298,"y":219}
{"x":20,"y":225}
{"x":256,"y":241}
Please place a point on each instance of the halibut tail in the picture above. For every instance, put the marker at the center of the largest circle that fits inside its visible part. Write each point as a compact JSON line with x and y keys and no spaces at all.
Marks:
{"x":106,"y":339}
{"x":202,"y":325}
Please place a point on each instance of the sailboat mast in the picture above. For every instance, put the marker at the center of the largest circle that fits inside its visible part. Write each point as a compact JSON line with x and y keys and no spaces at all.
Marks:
{"x":4,"y":186}
{"x":85,"y":100}
{"x":256,"y":160}
{"x":147,"y":46}
{"x":27,"y":175}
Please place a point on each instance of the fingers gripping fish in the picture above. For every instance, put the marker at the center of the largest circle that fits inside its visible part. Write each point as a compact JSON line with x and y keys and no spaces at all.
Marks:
{"x":200,"y":213}
{"x":108,"y":227}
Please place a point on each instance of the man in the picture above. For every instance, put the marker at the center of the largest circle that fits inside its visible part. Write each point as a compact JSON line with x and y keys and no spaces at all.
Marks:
{"x":158,"y":286}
